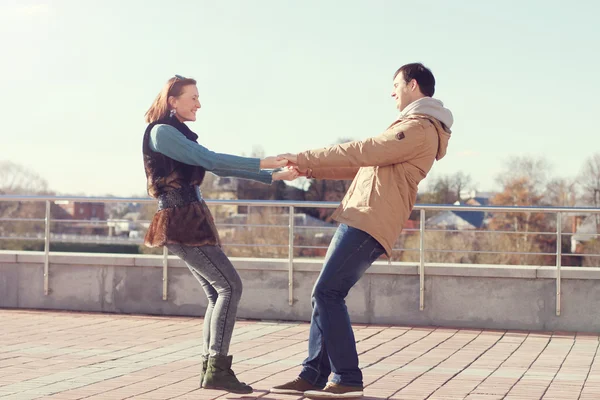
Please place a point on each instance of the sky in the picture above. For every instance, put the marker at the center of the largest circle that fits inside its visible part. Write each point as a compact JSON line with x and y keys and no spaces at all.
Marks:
{"x":76,"y":77}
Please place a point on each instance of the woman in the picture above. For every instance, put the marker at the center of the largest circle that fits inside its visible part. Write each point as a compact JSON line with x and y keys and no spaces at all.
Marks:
{"x":175,"y":166}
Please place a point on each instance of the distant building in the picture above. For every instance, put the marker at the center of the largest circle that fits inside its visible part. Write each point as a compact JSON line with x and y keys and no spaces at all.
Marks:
{"x":130,"y":226}
{"x":81,"y":210}
{"x":476,"y":198}
{"x":88,"y":218}
{"x":464,"y":220}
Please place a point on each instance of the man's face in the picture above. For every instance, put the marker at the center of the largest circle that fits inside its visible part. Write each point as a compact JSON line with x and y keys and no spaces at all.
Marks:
{"x":402,"y":91}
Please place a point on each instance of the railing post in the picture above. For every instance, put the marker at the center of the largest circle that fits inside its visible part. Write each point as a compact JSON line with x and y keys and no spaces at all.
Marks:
{"x":47,"y":248}
{"x":422,"y":260}
{"x":165,"y":278}
{"x":291,"y":257}
{"x":558,"y":259}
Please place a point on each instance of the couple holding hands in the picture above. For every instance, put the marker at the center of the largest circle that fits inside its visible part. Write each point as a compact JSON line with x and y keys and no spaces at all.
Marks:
{"x":386,"y":170}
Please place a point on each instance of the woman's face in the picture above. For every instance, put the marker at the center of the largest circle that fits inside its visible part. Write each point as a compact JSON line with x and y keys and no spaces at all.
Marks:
{"x":186,"y":104}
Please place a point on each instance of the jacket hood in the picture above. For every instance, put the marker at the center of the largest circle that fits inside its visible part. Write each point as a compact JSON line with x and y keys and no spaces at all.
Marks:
{"x":443,"y":120}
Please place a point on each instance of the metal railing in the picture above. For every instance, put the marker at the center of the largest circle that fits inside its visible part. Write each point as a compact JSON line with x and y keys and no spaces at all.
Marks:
{"x":559,"y":212}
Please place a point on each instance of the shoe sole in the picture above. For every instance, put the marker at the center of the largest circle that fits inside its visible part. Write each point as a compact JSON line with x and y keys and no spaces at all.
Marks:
{"x":328,"y":395}
{"x":285,"y":391}
{"x":226,"y":390}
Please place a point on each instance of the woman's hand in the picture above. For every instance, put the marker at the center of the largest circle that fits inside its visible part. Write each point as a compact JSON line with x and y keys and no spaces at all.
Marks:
{"x":273,"y":162}
{"x":287,"y":174}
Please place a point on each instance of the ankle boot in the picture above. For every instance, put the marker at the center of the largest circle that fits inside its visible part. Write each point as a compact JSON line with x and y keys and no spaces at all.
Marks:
{"x":219,"y":376}
{"x":204,"y":365}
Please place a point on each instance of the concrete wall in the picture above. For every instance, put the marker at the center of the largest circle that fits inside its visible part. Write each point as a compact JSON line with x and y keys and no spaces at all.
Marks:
{"x":498,"y":297}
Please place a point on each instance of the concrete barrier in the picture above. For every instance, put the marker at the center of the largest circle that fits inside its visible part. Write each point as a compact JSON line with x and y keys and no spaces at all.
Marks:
{"x":476,"y":296}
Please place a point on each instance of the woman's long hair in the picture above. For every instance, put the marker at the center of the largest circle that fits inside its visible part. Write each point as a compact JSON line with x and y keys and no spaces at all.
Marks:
{"x":160,"y":107}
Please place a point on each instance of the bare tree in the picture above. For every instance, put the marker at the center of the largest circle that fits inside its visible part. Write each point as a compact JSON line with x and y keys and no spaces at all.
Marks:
{"x":446,"y":189}
{"x":524,"y":183}
{"x":534,"y":172}
{"x":562,"y":192}
{"x":589,"y":178}
{"x":17,"y":179}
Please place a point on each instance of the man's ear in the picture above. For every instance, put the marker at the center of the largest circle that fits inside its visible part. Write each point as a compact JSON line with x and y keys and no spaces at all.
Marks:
{"x":413,"y":85}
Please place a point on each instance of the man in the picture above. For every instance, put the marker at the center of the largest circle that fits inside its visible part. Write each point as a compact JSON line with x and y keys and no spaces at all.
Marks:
{"x":386,"y":170}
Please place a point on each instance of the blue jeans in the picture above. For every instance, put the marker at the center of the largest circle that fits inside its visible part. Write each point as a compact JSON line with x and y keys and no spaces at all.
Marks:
{"x":331,"y":343}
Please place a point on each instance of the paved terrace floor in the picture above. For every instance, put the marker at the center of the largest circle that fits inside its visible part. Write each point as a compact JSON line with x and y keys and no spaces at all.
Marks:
{"x":68,"y":356}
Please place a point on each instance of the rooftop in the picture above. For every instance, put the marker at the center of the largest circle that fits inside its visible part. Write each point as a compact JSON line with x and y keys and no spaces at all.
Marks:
{"x":69,"y":356}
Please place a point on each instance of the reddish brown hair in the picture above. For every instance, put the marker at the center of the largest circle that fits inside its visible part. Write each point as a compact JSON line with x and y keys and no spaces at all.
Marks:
{"x":160,"y":107}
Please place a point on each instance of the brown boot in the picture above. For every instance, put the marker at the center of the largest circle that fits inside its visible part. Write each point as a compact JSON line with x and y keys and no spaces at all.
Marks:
{"x":335,"y":391}
{"x":297,"y":386}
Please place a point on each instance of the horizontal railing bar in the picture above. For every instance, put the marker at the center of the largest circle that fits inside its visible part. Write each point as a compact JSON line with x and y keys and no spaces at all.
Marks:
{"x":583,"y":234}
{"x":21,"y":238}
{"x":253,"y":225}
{"x":326,"y":247}
{"x":489,"y":231}
{"x":489,"y":252}
{"x":327,"y":228}
{"x":105,"y":222}
{"x":254,"y":245}
{"x":134,"y":241}
{"x":93,"y":221}
{"x":91,"y":241}
{"x":308,"y":204}
{"x":22,"y":220}
{"x":139,"y":241}
{"x":508,"y":209}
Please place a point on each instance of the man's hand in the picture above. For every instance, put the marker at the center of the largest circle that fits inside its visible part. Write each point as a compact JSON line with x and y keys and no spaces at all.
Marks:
{"x":273,"y":162}
{"x":287,"y":174}
{"x":291,"y":158}
{"x":301,"y":173}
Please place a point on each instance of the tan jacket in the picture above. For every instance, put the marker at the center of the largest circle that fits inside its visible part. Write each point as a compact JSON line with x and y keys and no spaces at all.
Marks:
{"x":386,"y":171}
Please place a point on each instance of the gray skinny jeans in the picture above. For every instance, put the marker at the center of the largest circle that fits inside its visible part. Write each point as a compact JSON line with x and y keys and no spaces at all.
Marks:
{"x":223,"y":287}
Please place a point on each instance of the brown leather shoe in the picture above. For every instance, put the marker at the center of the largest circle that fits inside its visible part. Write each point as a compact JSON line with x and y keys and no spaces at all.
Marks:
{"x":335,"y":391}
{"x":297,"y":386}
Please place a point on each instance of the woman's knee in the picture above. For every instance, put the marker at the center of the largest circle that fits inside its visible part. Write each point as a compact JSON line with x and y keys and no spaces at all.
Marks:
{"x":237,"y":287}
{"x":212,"y":296}
{"x":231,"y":287}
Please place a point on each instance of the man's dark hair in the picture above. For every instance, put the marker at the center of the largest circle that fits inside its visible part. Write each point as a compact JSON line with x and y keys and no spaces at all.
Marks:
{"x":421,"y":74}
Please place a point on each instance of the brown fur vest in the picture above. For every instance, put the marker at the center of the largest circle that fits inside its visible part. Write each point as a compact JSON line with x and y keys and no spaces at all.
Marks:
{"x":191,"y":224}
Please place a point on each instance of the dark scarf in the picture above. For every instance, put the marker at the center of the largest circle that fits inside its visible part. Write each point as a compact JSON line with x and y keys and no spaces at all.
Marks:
{"x":177,"y":124}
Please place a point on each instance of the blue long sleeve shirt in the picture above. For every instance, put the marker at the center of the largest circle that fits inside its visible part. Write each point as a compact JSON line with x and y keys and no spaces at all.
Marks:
{"x":167,"y":140}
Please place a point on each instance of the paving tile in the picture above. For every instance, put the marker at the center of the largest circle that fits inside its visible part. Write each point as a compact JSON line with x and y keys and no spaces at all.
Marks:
{"x":72,"y":356}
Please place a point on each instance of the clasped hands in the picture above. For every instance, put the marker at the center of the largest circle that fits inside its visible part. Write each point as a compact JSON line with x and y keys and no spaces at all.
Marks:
{"x":289,"y":163}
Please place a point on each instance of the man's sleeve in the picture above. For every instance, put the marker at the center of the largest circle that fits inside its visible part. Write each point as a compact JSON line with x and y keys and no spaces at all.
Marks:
{"x":343,"y":173}
{"x":398,"y":144}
